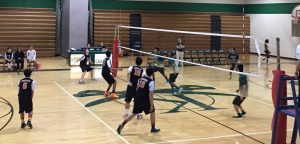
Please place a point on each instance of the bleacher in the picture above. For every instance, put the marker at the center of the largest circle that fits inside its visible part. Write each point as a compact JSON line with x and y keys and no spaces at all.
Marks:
{"x":28,"y":26}
{"x":105,"y":21}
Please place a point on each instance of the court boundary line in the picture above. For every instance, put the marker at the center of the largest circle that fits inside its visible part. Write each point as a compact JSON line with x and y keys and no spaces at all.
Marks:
{"x":212,"y":137}
{"x":93,"y":114}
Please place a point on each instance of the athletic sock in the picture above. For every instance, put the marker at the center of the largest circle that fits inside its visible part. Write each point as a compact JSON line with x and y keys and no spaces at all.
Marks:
{"x":152,"y":125}
{"x":124,"y":123}
{"x":126,"y":111}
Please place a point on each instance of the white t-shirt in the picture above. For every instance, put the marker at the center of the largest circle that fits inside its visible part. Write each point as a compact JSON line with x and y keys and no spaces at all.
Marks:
{"x":298,"y":52}
{"x":130,"y":69}
{"x":108,"y":62}
{"x":31,"y":54}
{"x":151,"y":86}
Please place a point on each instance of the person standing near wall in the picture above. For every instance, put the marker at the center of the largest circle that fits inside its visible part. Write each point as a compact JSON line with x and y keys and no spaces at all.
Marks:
{"x":180,"y":51}
{"x":298,"y":61}
{"x":267,"y":51}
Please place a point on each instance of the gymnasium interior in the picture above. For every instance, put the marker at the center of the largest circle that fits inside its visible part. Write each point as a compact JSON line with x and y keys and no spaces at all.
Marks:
{"x":67,"y":112}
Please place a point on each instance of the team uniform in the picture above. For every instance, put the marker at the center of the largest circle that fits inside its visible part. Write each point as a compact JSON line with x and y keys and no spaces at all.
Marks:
{"x":141,"y":102}
{"x":159,"y":64}
{"x":173,"y":76}
{"x":180,"y":51}
{"x":106,"y":71}
{"x":267,"y":52}
{"x":26,"y":88}
{"x":243,"y":88}
{"x":233,"y":59}
{"x":84,"y":63}
{"x":135,"y":74}
{"x":8,"y":56}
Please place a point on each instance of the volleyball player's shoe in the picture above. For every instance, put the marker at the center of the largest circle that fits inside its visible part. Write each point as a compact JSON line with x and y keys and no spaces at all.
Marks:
{"x":23,"y":125}
{"x":113,"y":95}
{"x":81,"y":82}
{"x":179,"y":90}
{"x":29,"y":124}
{"x":106,"y":94}
{"x":155,"y":130}
{"x":120,"y":128}
{"x":237,"y":116}
{"x":243,"y":113}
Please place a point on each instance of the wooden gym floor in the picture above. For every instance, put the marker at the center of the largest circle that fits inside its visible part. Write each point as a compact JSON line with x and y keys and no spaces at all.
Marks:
{"x":66,"y":112}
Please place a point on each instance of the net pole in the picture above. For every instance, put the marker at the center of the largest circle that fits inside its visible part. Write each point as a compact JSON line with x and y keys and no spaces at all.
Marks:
{"x":115,"y":53}
{"x":278,"y":52}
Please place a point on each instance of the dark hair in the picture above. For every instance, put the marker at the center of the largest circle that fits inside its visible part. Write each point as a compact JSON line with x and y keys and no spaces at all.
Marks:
{"x":8,"y":48}
{"x":149,"y":71}
{"x":138,"y":61}
{"x":27,"y":72}
{"x":171,"y":54}
{"x":108,"y":53}
{"x":157,"y":48}
{"x":240,"y":67}
{"x":267,"y":41}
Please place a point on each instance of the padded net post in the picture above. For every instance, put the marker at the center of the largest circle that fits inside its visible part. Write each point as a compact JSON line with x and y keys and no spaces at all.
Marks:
{"x":115,"y":62}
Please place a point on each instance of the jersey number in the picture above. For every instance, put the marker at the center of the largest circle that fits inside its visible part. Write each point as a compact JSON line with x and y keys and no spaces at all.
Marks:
{"x":24,"y":86}
{"x":141,"y":84}
{"x":137,"y":72}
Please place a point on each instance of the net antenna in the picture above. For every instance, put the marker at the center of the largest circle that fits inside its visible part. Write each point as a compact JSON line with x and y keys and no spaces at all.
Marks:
{"x":194,"y":33}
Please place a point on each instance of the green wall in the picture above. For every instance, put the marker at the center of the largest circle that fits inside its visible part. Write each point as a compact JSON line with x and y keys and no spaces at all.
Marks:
{"x":272,"y":8}
{"x":166,"y":6}
{"x":28,"y":3}
{"x":276,"y":8}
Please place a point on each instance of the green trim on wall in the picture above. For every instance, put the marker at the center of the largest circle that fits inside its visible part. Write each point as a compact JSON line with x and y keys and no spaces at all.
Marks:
{"x":275,"y":8}
{"x":28,"y":3}
{"x":166,"y":6}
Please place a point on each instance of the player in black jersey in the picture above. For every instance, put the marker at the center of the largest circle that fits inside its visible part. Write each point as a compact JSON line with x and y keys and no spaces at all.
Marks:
{"x":9,"y":59}
{"x":85,"y":62}
{"x":143,"y":102}
{"x":26,"y":92}
{"x":106,"y":74}
{"x":133,"y":75}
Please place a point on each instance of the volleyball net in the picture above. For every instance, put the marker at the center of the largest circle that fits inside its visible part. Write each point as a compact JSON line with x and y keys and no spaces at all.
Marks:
{"x":198,"y":49}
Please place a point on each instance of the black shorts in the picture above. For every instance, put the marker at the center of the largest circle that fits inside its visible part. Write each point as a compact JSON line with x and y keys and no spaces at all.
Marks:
{"x":232,"y":66}
{"x":267,"y":53}
{"x":25,"y":105}
{"x":159,"y":69}
{"x":86,"y":68}
{"x":173,"y":77}
{"x":130,"y":93}
{"x":108,"y":78}
{"x":238,"y":101}
{"x":139,"y":108}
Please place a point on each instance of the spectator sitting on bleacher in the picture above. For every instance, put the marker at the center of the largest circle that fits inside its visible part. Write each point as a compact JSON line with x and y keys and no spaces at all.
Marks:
{"x":31,"y":57}
{"x":19,"y":58}
{"x":103,"y":47}
{"x":9,"y":59}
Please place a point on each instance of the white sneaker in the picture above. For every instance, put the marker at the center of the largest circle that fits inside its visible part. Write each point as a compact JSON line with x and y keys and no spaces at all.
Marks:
{"x":180,"y":90}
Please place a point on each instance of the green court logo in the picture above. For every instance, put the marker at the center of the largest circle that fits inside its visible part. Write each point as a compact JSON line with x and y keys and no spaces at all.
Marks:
{"x":189,"y":95}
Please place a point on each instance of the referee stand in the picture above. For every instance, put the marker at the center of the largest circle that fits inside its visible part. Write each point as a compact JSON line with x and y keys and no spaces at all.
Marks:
{"x":281,"y":105}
